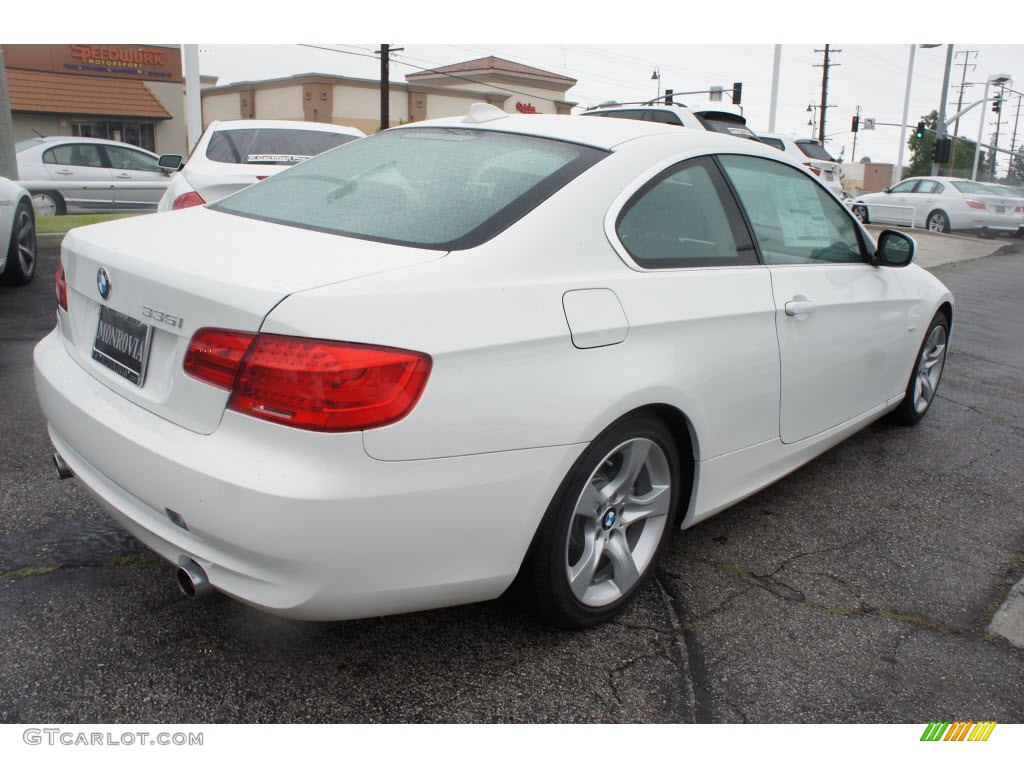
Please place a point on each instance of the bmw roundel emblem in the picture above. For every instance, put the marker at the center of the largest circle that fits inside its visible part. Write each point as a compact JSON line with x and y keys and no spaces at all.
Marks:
{"x":103,"y":283}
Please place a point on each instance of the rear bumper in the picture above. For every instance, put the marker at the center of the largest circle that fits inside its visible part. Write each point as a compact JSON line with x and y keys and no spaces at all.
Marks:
{"x":300,"y":523}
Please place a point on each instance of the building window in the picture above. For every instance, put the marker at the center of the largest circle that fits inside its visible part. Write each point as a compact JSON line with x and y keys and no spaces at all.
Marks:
{"x":134,"y":132}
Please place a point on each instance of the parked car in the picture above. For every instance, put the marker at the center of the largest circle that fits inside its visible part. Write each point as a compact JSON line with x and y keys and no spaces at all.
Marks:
{"x":68,"y":174}
{"x":720,"y":118}
{"x":404,"y":372}
{"x":811,"y":153}
{"x":17,"y":234}
{"x":1014,"y":194}
{"x":940,"y":203}
{"x":232,"y":154}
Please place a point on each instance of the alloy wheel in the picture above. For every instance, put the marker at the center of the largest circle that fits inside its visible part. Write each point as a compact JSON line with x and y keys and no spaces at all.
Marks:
{"x":929,"y":368}
{"x":26,"y":242}
{"x":618,"y":522}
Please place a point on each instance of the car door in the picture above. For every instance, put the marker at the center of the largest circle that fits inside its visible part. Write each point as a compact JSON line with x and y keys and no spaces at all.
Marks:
{"x":924,"y":198}
{"x":841,"y":322}
{"x":80,"y":175}
{"x":139,"y":181}
{"x":900,"y":205}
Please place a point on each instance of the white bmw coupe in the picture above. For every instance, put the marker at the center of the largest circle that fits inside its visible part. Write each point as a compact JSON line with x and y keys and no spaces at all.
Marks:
{"x":407,"y":371}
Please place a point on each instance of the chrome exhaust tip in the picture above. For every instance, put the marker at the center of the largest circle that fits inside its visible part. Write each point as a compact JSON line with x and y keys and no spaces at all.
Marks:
{"x":63,"y":470}
{"x":192,"y":581}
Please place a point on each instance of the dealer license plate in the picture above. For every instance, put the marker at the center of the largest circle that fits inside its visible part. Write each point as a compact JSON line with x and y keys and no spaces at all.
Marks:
{"x":122,"y":345}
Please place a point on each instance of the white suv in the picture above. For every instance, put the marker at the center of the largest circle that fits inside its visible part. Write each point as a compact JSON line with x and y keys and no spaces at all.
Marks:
{"x":720,"y":118}
{"x":813,"y":155}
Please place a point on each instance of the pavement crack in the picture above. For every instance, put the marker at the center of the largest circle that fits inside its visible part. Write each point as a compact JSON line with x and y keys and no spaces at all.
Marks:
{"x":691,"y":663}
{"x":981,"y":412}
{"x":958,"y":353}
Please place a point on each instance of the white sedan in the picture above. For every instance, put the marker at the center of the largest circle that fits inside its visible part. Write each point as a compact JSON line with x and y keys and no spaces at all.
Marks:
{"x":402,"y":374}
{"x":232,"y":154}
{"x":17,"y":234}
{"x":941,"y":204}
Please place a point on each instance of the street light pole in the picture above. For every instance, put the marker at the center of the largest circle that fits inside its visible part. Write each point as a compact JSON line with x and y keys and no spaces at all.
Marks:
{"x":897,"y":171}
{"x":993,"y":80}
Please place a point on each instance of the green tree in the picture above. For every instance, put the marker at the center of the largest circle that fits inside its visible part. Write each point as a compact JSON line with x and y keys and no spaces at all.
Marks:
{"x":1015,"y":174}
{"x":921,"y":153}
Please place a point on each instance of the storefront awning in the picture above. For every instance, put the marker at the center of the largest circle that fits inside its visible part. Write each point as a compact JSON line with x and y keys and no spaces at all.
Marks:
{"x":81,"y":95}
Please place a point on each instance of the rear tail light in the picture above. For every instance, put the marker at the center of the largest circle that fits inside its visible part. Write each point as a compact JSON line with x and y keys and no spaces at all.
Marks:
{"x":975,"y":204}
{"x":1019,"y":209}
{"x":325,"y":386}
{"x":188,"y":200}
{"x":261,"y":178}
{"x":61,"y":286}
{"x":815,"y":170}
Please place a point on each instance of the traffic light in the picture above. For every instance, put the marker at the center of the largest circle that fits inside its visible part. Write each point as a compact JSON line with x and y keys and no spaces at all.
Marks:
{"x":919,"y":131}
{"x":941,"y":150}
{"x":668,"y":96}
{"x":737,"y":92}
{"x":997,"y":105}
{"x":856,"y":124}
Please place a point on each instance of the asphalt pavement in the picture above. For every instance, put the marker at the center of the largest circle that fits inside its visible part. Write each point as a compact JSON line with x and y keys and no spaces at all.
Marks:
{"x":861,"y":588}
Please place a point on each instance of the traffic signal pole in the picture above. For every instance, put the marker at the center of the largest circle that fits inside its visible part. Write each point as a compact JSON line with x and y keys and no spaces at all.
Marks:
{"x":940,"y":126}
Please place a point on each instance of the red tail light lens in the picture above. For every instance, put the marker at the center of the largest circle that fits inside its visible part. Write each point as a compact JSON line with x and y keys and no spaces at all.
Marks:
{"x":1018,"y":209}
{"x":975,"y":204}
{"x":813,"y":169}
{"x":307,"y":383}
{"x":188,"y":200}
{"x":61,"y":287}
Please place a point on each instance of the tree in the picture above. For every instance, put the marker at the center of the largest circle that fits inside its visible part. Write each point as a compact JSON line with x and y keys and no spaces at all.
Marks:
{"x":921,"y":153}
{"x":1015,"y":174}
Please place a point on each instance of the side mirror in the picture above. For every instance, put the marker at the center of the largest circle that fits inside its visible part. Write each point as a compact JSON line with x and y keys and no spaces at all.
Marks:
{"x":895,"y":249}
{"x":170,"y":162}
{"x":887,"y":190}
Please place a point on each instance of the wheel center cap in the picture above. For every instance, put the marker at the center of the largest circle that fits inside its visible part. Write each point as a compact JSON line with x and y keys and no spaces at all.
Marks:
{"x":608,"y":520}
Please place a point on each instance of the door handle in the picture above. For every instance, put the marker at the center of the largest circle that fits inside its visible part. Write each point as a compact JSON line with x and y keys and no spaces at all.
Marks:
{"x":795,"y":308}
{"x":123,"y":176}
{"x":64,"y":173}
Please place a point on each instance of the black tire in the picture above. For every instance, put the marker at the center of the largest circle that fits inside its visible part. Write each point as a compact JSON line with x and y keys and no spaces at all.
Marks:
{"x":21,"y":251}
{"x":937,"y":221}
{"x":45,"y":202}
{"x":627,"y":545}
{"x":861,"y":213}
{"x":917,"y":400}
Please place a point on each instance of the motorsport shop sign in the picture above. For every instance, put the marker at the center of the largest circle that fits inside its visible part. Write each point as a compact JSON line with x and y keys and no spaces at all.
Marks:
{"x":126,"y":60}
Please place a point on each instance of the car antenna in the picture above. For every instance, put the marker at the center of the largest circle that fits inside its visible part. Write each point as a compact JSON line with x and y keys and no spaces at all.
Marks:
{"x":37,"y":133}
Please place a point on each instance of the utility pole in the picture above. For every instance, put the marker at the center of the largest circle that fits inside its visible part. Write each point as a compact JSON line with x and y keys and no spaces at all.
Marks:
{"x":8,"y":160}
{"x":960,"y":103}
{"x":385,"y":90}
{"x":940,"y":125}
{"x":1013,"y":142}
{"x":826,"y":63}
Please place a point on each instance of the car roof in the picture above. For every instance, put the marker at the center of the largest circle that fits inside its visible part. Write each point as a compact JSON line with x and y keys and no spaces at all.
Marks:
{"x":608,"y":134}
{"x":235,"y":125}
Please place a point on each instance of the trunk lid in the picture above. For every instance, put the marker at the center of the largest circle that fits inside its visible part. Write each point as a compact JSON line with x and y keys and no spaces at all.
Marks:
{"x":170,"y":274}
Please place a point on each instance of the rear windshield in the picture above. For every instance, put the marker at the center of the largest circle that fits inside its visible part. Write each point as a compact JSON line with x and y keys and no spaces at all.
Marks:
{"x":730,"y":125}
{"x":25,"y":144}
{"x":972,"y":187}
{"x":814,"y":150}
{"x":271,"y":146}
{"x":438,"y":188}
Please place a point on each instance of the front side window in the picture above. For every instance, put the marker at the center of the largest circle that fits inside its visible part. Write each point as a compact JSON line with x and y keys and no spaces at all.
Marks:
{"x":684,"y":217}
{"x":904,"y":186}
{"x":131,"y":160}
{"x":794,"y":219}
{"x":271,"y":146}
{"x":87,"y":155}
{"x":439,"y":188}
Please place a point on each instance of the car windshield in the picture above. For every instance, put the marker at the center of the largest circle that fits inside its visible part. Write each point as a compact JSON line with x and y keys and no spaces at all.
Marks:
{"x":271,"y":146}
{"x":26,"y":143}
{"x":814,"y":150}
{"x":438,"y":188}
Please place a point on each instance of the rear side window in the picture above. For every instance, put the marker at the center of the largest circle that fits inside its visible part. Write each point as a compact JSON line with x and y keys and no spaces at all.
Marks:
{"x":271,"y":146}
{"x":663,"y":116}
{"x":929,"y":187}
{"x":439,"y":188}
{"x":795,"y":220}
{"x":87,"y":155}
{"x":684,"y":217}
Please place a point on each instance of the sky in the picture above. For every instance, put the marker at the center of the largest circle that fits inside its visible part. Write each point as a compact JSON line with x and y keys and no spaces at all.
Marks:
{"x":611,"y":49}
